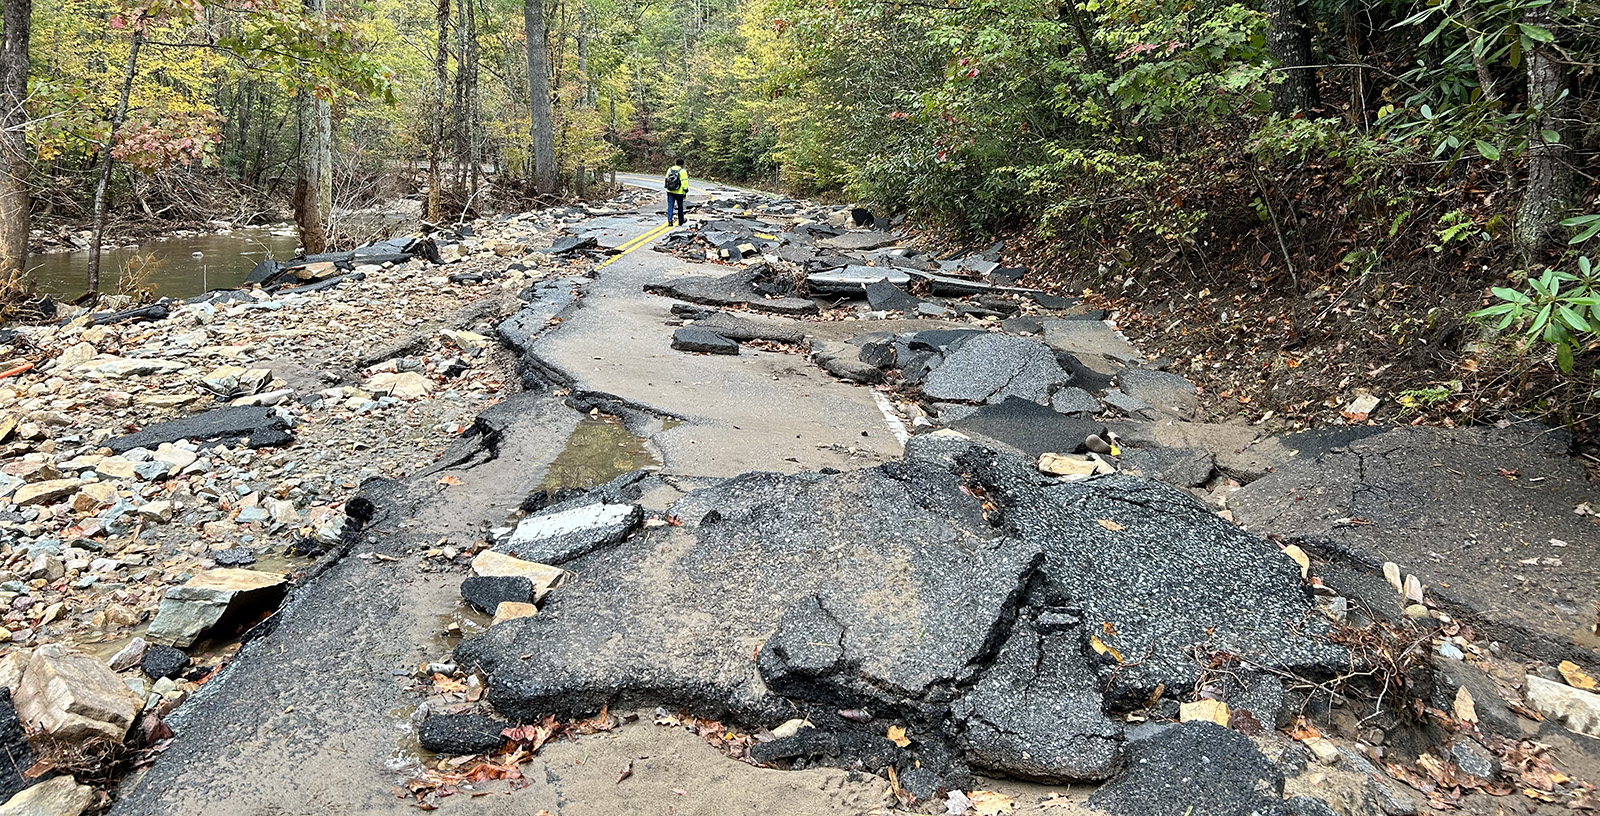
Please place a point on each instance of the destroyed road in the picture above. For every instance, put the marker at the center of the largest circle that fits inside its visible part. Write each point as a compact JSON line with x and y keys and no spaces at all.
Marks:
{"x":775,"y":512}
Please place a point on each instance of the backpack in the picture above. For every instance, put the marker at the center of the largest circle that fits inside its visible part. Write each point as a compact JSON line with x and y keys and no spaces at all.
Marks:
{"x":674,"y":180}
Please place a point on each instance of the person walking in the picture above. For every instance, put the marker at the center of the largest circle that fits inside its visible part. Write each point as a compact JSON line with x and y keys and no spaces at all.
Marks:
{"x":677,"y":184}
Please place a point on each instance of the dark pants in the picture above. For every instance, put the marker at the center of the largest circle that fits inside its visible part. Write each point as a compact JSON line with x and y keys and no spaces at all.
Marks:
{"x":675,"y":201}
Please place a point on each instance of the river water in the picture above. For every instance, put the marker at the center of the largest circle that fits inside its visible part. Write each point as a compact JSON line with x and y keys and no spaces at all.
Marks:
{"x":224,"y":261}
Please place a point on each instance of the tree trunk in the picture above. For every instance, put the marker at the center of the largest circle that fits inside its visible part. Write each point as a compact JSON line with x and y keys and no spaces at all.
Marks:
{"x":313,"y":189}
{"x":1549,"y":189}
{"x":474,"y":105}
{"x":441,"y":81}
{"x":14,"y":144}
{"x":1289,"y":43}
{"x":103,"y":184}
{"x":544,"y":133}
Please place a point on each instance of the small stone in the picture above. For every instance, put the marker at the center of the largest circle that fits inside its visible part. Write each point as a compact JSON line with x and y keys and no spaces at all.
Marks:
{"x":511,"y":610}
{"x":115,"y":467}
{"x":129,"y":656}
{"x":163,"y":662}
{"x":1323,"y":749}
{"x":542,"y":576}
{"x":94,"y":496}
{"x":235,"y":557}
{"x":1057,"y":464}
{"x":1474,"y":760}
{"x":405,"y":384}
{"x":45,"y":492}
{"x":1451,"y":651}
{"x":156,"y":511}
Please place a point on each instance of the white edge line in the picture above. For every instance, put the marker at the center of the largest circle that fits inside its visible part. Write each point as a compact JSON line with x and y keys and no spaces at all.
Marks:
{"x":896,"y":427}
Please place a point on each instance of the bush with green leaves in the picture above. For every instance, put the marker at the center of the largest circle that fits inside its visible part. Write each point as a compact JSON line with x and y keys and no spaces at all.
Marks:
{"x":1559,"y":308}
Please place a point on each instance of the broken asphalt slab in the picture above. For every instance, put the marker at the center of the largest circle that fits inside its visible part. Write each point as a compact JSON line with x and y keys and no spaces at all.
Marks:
{"x":736,"y":289}
{"x":1484,"y":517}
{"x":995,"y":367}
{"x":257,"y":426}
{"x":891,"y":590}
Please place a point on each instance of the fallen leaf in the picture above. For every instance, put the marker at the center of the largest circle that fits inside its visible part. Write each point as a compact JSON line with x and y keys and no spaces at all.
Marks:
{"x":1210,"y":710}
{"x":1463,"y":707}
{"x":1100,"y":647}
{"x":450,"y":481}
{"x":1576,"y":677}
{"x":897,"y":735}
{"x":989,"y":803}
{"x":626,"y":772}
{"x":1300,"y":558}
{"x":1110,"y":525}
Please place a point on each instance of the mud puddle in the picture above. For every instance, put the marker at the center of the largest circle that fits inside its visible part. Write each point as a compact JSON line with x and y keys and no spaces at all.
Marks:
{"x":600,"y":449}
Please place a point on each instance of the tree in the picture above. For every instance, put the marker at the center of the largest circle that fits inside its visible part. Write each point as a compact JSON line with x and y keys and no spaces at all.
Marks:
{"x":107,"y":156}
{"x":1549,"y":189}
{"x":14,"y":141}
{"x":313,"y":190}
{"x":544,"y":130}
{"x":1289,"y":43}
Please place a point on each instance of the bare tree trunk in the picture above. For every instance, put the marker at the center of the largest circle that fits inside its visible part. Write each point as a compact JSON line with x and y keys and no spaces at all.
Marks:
{"x":474,"y":104}
{"x":14,"y":143}
{"x":313,"y":189}
{"x":544,"y":134}
{"x":1289,"y":43}
{"x":1549,"y":189}
{"x":103,"y":184}
{"x":589,"y":98}
{"x":441,"y":80}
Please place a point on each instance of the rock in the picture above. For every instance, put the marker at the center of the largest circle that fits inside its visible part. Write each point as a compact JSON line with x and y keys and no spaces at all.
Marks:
{"x":33,"y":470}
{"x":487,"y":592}
{"x":885,"y":296}
{"x":401,"y":384}
{"x":174,"y":457}
{"x":57,"y":796}
{"x":542,"y":576}
{"x":163,"y":661}
{"x":1307,"y":806}
{"x":128,"y":656}
{"x":878,"y":352}
{"x":118,"y":367}
{"x":235,"y":556}
{"x":1056,"y":464}
{"x":45,"y":492}
{"x":1036,"y":713}
{"x":1073,"y":400}
{"x":1474,"y":760}
{"x":1028,"y":427}
{"x":995,"y":367}
{"x":94,"y":496}
{"x":1194,"y":769}
{"x":1165,"y":391}
{"x":513,"y":610}
{"x":1410,"y":483}
{"x":1576,"y":709}
{"x":159,"y":511}
{"x":212,"y":599}
{"x":75,"y":355}
{"x":231,"y":423}
{"x":115,"y":467}
{"x":706,"y":341}
{"x":73,"y":697}
{"x":18,"y":755}
{"x":461,"y":734}
{"x":560,"y":536}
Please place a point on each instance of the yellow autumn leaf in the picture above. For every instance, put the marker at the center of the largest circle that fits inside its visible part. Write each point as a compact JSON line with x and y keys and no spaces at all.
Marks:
{"x":897,"y":735}
{"x":989,"y":803}
{"x":449,"y":481}
{"x":1110,"y":525}
{"x":1300,"y":558}
{"x":1100,"y":647}
{"x":1211,"y":710}
{"x":1464,"y":707}
{"x":1576,"y":677}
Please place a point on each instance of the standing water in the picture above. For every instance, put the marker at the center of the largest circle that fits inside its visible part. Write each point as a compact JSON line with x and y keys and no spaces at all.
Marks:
{"x":223,"y":261}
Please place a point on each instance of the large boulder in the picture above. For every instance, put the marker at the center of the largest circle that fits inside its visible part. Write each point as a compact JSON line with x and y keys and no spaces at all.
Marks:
{"x":212,"y":599}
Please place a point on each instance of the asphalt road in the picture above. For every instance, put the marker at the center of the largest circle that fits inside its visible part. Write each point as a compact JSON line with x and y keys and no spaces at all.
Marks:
{"x":314,"y":718}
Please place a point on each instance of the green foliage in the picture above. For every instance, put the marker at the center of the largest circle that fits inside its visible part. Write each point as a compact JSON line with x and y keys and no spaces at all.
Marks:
{"x":1558,"y":308}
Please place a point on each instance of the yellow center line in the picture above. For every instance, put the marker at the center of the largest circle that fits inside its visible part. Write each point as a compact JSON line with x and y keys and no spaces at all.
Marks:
{"x":634,"y":244}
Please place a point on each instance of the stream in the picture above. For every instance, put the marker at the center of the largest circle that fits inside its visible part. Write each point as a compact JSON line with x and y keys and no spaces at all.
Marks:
{"x":186,"y":266}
